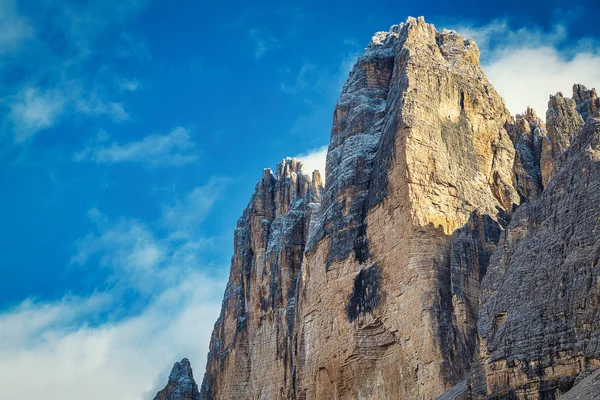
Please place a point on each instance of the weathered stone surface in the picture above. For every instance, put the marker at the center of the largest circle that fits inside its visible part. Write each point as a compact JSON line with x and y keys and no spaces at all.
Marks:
{"x":527,"y":133}
{"x":540,"y":318}
{"x":453,"y":251}
{"x":587,"y":101}
{"x":181,"y":385}
{"x":460,"y":391}
{"x":563,"y":122}
{"x":419,"y":175}
{"x":250,"y":351}
{"x":587,"y":389}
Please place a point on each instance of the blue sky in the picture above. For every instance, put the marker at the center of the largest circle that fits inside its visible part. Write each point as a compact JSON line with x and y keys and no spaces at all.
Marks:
{"x":132,"y":134}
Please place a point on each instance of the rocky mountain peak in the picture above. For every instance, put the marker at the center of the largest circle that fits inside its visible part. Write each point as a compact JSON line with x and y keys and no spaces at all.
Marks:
{"x":564,"y":120}
{"x":181,"y":384}
{"x":587,"y":100}
{"x":453,"y":250}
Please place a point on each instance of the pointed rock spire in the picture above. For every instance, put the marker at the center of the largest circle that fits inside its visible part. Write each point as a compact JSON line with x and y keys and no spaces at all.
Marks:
{"x":181,"y":385}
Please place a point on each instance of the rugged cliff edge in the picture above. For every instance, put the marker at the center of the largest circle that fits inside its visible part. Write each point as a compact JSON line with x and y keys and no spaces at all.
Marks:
{"x":453,"y":251}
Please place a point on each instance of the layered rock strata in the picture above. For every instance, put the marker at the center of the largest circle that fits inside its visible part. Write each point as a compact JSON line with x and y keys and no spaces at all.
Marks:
{"x":540,"y":317}
{"x":251,"y":353}
{"x":419,"y":182}
{"x":452,"y":252}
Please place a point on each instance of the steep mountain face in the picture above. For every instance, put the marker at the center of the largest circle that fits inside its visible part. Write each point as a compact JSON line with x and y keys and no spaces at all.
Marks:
{"x":251,"y":347}
{"x":453,"y":251}
{"x":181,"y":385}
{"x":540,"y":315}
{"x":419,"y":181}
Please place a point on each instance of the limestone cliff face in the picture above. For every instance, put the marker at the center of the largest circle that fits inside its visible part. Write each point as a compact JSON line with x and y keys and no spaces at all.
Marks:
{"x":540,"y":316}
{"x":251,"y":348}
{"x":528,"y":135}
{"x":453,"y":251}
{"x":181,"y":385}
{"x":419,"y":181}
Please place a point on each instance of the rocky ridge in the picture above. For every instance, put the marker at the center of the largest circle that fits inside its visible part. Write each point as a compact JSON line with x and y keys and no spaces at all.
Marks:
{"x":453,"y":251}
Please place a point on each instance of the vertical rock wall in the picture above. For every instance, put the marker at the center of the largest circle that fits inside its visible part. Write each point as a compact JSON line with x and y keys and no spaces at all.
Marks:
{"x":419,"y":181}
{"x":250,"y":351}
{"x":454,"y":248}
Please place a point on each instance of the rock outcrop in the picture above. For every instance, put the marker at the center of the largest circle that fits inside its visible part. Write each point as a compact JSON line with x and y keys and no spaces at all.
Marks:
{"x":563,"y":122}
{"x":453,"y":251}
{"x":181,"y":385}
{"x":528,"y":135}
{"x":419,"y":182}
{"x":251,"y":353}
{"x":587,"y":389}
{"x":540,"y":316}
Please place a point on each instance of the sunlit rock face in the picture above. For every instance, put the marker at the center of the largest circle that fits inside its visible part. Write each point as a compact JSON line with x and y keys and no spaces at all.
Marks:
{"x":453,"y":251}
{"x":251,"y":353}
{"x":419,"y":184}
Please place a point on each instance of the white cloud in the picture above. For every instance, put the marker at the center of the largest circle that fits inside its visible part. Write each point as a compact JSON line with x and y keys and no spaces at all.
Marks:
{"x":84,"y":347}
{"x":33,"y":110}
{"x":127,"y":360}
{"x":263,"y":41}
{"x":14,"y":27}
{"x":128,"y":85}
{"x":56,"y":81}
{"x":307,"y":77}
{"x":128,"y":247}
{"x":313,"y":159}
{"x":173,"y":149}
{"x":95,"y":106}
{"x":527,"y":65}
{"x":183,"y":217}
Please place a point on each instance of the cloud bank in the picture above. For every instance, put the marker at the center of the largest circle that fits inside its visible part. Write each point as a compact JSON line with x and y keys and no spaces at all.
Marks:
{"x":157,"y":306}
{"x":527,"y":65}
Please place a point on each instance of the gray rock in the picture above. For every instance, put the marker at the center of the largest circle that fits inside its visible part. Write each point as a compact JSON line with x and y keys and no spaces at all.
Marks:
{"x":181,"y":385}
{"x":539,"y":320}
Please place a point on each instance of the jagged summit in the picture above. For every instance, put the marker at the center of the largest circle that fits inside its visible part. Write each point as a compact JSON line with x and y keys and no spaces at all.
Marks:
{"x":450,"y":42}
{"x":454,"y":248}
{"x":181,"y":385}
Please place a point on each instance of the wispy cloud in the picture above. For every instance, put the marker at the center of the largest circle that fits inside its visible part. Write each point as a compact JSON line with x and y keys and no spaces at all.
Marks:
{"x":184,"y":216}
{"x":528,"y":64}
{"x":263,"y":41}
{"x":128,"y":85}
{"x":86,"y":344}
{"x":128,"y":247}
{"x":95,"y":106}
{"x":127,"y":359}
{"x":173,"y":149}
{"x":33,"y":109}
{"x":15,"y":28}
{"x":307,"y":77}
{"x":58,"y":84}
